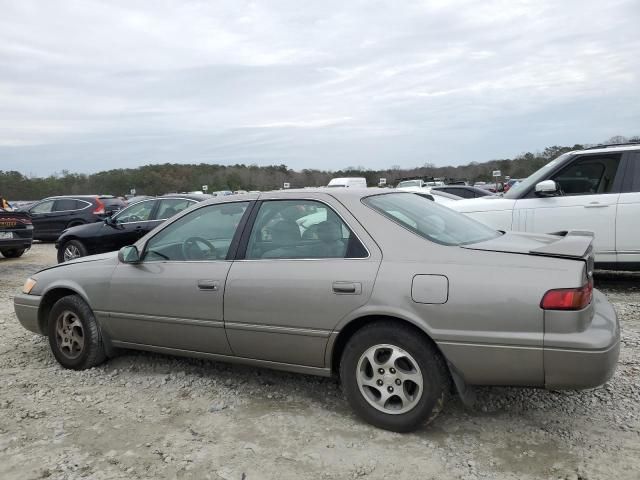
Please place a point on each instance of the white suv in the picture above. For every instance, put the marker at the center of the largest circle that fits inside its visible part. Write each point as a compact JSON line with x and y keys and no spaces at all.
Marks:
{"x":596,"y":189}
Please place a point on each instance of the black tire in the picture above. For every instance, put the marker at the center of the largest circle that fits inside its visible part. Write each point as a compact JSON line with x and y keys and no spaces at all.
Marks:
{"x":433,"y":372}
{"x":92,"y":352}
{"x":13,"y":252}
{"x":77,"y":244}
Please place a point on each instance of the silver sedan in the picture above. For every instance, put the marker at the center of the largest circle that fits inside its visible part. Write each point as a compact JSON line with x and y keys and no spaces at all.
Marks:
{"x":405,"y":300}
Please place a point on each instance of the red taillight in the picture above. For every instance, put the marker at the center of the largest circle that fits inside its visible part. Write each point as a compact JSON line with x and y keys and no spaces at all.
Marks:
{"x":99,"y":210}
{"x":568,"y":298}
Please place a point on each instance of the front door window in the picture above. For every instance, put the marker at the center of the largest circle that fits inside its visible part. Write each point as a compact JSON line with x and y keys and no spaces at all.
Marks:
{"x":203,"y":234}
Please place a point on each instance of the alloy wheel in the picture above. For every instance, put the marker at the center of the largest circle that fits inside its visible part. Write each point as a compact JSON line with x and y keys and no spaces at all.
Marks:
{"x":389,"y":378}
{"x":71,"y":252}
{"x":69,"y":335}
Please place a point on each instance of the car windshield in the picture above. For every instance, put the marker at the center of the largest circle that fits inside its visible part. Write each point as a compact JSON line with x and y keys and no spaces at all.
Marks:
{"x":537,"y":176}
{"x":429,"y":220}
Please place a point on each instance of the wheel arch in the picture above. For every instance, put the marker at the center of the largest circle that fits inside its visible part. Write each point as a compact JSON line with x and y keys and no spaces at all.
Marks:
{"x":49,"y":299}
{"x":348,"y":330}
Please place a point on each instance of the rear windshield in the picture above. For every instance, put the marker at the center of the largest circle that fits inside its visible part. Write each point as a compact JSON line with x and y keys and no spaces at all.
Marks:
{"x":434,"y":222}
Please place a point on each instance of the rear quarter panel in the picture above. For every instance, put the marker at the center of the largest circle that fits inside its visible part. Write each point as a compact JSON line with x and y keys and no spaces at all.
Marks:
{"x":491,"y":327}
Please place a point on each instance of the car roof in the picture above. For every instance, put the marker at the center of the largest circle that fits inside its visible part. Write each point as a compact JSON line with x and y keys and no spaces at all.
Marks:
{"x":56,"y":197}
{"x":200,"y":197}
{"x":609,"y":148}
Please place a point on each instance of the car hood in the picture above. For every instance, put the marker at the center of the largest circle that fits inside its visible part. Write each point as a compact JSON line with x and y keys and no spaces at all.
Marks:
{"x":483,"y":204}
{"x":108,"y":258}
{"x":575,"y":244}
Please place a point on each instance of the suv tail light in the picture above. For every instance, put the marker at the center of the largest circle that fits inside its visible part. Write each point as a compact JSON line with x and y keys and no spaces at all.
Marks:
{"x":568,"y":298}
{"x":99,"y":210}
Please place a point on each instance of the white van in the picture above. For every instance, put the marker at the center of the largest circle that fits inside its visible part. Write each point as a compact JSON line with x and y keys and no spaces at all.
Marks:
{"x":350,"y":182}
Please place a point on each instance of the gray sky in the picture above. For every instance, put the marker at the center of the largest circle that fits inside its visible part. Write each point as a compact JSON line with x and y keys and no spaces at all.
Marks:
{"x":89,"y":85}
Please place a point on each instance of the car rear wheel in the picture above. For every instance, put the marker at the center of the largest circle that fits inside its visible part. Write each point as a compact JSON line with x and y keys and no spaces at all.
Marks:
{"x":71,"y":250}
{"x":393,"y":376}
{"x":74,"y":336}
{"x":13,"y":252}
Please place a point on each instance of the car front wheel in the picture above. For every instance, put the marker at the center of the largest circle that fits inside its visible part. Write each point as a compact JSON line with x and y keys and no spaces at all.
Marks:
{"x":393,"y":376}
{"x":71,"y":250}
{"x":74,"y":336}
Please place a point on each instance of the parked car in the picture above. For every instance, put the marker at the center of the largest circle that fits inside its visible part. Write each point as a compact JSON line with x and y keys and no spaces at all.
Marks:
{"x":54,"y":214}
{"x":123,"y":228}
{"x":136,"y":199}
{"x":419,"y":183}
{"x":437,"y":196}
{"x":463,"y":191}
{"x":596,"y":189}
{"x":511,"y":183}
{"x":16,"y":233}
{"x":389,"y":292}
{"x":348,"y":182}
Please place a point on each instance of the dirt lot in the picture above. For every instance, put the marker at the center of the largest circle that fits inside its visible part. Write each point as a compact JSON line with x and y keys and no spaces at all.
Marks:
{"x":150,"y":416}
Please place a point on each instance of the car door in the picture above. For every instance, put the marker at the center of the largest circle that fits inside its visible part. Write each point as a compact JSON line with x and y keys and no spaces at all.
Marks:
{"x":303,"y":266}
{"x":627,"y":224}
{"x":39,"y":218}
{"x":130,"y":225}
{"x":173,"y":298}
{"x":64,"y":210}
{"x":588,"y":197}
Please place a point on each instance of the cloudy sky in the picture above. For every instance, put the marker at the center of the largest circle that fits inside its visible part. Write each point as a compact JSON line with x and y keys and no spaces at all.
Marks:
{"x":90,"y":85}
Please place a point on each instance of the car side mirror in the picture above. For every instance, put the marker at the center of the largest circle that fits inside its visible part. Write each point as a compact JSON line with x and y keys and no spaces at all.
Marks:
{"x":547,"y":188}
{"x":129,"y":254}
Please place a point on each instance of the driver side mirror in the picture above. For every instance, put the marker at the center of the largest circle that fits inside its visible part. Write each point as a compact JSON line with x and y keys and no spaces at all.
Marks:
{"x":547,"y":188}
{"x":129,"y":254}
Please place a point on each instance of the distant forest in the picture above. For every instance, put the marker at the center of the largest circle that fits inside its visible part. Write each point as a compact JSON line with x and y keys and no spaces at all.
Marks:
{"x":174,"y":177}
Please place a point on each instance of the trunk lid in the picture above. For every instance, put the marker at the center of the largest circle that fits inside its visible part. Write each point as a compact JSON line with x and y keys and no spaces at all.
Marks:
{"x":14,"y":220}
{"x":575,"y":244}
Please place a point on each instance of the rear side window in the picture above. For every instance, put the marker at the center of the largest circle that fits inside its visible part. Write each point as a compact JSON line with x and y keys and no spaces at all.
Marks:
{"x":65,"y":204}
{"x":632,"y":175}
{"x":429,"y":220}
{"x":302,"y":229}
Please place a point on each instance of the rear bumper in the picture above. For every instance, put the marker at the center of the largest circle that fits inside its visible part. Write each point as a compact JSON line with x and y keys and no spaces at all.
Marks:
{"x":26,"y":308}
{"x":587,"y":358}
{"x":22,"y":238}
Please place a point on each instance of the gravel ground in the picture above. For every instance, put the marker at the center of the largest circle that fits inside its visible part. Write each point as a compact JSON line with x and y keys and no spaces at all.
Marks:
{"x":151,"y":416}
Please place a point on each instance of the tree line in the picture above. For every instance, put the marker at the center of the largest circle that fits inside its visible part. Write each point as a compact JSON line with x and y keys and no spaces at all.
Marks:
{"x":172,"y":177}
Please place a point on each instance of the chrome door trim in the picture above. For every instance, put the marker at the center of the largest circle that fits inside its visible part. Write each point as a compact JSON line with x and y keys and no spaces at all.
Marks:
{"x":307,"y":332}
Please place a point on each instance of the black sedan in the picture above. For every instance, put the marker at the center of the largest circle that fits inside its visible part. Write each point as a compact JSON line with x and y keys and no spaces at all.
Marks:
{"x":124,"y":228}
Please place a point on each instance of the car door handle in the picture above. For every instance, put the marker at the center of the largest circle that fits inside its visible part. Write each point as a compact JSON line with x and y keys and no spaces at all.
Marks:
{"x":596,"y":205}
{"x":212,"y":285}
{"x":347,"y":288}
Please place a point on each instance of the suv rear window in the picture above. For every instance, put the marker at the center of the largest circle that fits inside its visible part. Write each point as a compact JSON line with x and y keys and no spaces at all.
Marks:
{"x":429,"y":220}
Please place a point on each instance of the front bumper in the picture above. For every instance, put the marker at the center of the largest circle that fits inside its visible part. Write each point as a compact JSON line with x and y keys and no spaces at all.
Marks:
{"x":586,"y":358}
{"x":26,"y":308}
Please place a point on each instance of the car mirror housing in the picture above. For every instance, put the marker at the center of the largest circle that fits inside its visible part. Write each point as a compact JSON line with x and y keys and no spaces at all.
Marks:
{"x":547,"y":188}
{"x":129,"y":254}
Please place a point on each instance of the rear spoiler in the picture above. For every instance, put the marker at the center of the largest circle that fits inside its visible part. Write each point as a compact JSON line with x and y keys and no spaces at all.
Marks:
{"x":573,"y":244}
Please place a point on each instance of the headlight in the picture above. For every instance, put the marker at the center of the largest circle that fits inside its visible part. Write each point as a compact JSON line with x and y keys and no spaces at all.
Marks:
{"x":28,"y":285}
